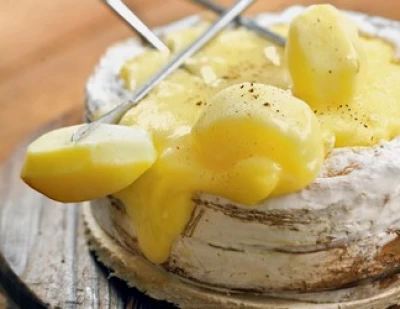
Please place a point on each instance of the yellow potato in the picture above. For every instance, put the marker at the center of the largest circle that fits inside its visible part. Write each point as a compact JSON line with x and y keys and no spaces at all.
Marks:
{"x":247,"y":122}
{"x":107,"y":160}
{"x":324,"y":56}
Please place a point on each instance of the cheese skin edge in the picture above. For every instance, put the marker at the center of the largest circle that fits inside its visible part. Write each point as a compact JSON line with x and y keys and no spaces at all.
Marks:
{"x":338,"y":228}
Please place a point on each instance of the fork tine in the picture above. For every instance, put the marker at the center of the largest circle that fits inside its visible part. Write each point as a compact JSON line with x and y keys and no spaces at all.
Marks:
{"x":119,"y":7}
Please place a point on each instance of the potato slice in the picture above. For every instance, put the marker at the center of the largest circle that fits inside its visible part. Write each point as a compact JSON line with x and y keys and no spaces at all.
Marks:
{"x":324,"y":55}
{"x":248,"y":121}
{"x":109,"y":159}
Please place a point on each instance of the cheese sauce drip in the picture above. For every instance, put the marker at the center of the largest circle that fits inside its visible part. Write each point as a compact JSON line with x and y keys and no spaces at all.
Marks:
{"x":250,"y":141}
{"x":221,"y":125}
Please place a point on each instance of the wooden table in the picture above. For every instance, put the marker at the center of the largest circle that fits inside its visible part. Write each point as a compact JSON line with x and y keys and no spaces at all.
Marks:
{"x":48,"y":49}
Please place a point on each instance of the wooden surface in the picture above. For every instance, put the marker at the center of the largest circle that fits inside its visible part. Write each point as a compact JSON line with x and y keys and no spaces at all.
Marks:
{"x":44,"y":257}
{"x":50,"y":47}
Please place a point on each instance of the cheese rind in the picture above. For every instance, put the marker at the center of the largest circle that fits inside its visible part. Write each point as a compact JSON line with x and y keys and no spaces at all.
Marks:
{"x":324,"y":214}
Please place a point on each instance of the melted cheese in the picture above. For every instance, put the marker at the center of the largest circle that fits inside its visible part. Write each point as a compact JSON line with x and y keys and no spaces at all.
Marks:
{"x":349,"y":82}
{"x":228,"y":155}
{"x":243,"y":142}
{"x":372,"y":115}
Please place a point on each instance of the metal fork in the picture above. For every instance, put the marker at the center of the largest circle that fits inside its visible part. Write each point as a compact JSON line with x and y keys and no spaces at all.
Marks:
{"x":119,"y":7}
{"x":115,"y":115}
{"x":245,"y":22}
{"x":129,"y":17}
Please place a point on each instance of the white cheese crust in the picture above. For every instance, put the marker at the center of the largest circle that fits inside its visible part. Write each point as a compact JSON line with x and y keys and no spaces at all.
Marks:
{"x":161,"y":284}
{"x":338,"y":232}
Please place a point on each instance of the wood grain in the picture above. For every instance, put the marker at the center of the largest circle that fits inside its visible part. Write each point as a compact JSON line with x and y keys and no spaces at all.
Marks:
{"x":44,"y":258}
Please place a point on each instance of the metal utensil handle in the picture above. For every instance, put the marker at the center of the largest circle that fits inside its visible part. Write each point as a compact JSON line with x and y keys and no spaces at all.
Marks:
{"x":115,"y":115}
{"x":245,"y":22}
{"x":132,"y":20}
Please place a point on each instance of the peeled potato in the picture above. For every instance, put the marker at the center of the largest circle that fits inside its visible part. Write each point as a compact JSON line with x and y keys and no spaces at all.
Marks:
{"x":247,"y":121}
{"x":324,"y":55}
{"x":109,"y":159}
